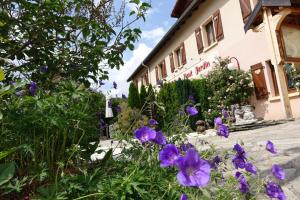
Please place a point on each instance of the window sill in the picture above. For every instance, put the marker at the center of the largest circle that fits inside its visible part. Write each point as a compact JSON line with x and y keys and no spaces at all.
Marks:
{"x":210,"y":47}
{"x":291,"y":95}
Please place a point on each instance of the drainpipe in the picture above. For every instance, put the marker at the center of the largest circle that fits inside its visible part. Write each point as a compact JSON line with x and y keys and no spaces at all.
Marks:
{"x":149,"y":75}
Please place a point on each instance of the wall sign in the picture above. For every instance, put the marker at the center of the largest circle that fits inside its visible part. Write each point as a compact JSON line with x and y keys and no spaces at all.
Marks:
{"x":198,"y":69}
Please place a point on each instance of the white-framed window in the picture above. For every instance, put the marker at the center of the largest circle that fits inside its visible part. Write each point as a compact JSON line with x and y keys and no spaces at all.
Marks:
{"x":178,"y":57}
{"x":210,"y":35}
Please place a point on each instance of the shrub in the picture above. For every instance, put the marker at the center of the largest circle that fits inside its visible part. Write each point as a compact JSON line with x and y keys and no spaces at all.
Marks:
{"x":143,"y":96}
{"x":133,"y":96}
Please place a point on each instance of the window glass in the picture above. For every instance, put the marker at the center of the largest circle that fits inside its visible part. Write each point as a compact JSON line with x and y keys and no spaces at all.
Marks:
{"x":178,"y":57}
{"x":210,"y":33}
{"x":289,"y":75}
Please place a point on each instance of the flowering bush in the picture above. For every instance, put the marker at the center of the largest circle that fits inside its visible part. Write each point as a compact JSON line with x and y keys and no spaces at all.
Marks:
{"x":227,"y":88}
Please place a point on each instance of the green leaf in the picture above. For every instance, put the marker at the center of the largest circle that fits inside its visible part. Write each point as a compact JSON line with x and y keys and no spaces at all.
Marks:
{"x":7,"y":171}
{"x":1,"y":115}
{"x":2,"y":75}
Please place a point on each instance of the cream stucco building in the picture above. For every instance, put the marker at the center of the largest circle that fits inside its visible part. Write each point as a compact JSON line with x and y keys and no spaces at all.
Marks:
{"x":259,"y":35}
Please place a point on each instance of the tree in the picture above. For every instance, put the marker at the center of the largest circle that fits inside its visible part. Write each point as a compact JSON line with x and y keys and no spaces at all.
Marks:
{"x":50,"y":40}
{"x":143,"y":96}
{"x":133,"y":96}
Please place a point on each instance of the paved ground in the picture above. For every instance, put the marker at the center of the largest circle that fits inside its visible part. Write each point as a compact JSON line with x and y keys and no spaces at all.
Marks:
{"x":286,"y":138}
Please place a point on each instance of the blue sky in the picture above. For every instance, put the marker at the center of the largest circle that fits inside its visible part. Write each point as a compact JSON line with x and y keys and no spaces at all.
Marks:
{"x":158,"y":22}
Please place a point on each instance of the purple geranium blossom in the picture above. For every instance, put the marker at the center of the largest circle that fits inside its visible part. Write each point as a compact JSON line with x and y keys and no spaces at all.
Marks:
{"x":33,"y":88}
{"x":160,"y":138}
{"x":244,"y":185}
{"x":44,"y":69}
{"x":124,"y":96}
{"x":215,"y":162}
{"x":181,"y":113}
{"x":153,"y":122}
{"x":239,"y":149}
{"x":102,"y":125}
{"x":239,"y":162}
{"x":250,"y":168}
{"x":118,"y":109}
{"x":225,"y":113}
{"x":223,"y":130}
{"x":115,"y":85}
{"x":183,"y":197}
{"x":145,"y":134}
{"x":194,"y":171}
{"x":274,"y":191}
{"x":278,"y":172}
{"x":191,"y":110}
{"x":218,"y":121}
{"x":185,"y":147}
{"x":270,"y":147}
{"x":192,"y":98}
{"x":238,"y":174}
{"x":168,"y":155}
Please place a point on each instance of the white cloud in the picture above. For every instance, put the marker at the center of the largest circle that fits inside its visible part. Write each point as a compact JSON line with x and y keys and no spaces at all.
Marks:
{"x":121,"y":76}
{"x":154,"y":35}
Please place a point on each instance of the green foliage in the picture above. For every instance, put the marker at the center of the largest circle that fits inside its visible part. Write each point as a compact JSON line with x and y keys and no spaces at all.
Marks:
{"x":143,"y":95}
{"x":53,"y":123}
{"x":227,"y":88}
{"x":7,"y":171}
{"x":70,"y":38}
{"x":129,"y":120}
{"x":133,"y":96}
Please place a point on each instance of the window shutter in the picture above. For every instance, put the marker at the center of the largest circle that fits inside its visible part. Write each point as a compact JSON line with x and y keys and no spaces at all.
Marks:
{"x":246,"y":9}
{"x":259,"y":81}
{"x":199,"y":40}
{"x":183,"y":54}
{"x":172,"y":65}
{"x":156,"y":74}
{"x":164,"y":69}
{"x":218,"y":25}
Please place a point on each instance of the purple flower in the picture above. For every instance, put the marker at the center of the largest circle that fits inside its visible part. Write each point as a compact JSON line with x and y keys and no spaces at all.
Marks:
{"x":239,"y":162}
{"x":118,"y":109}
{"x":274,"y":191}
{"x":160,"y":138}
{"x":239,"y":149}
{"x":153,"y":122}
{"x":183,"y":197}
{"x":181,"y":113}
{"x":110,"y":103}
{"x":194,"y":171}
{"x":186,"y":147}
{"x":238,"y":174}
{"x":192,"y":111}
{"x":223,"y":130}
{"x":115,"y":85}
{"x":215,"y":162}
{"x":33,"y":88}
{"x":218,"y":121}
{"x":270,"y":147}
{"x":278,"y":172}
{"x":192,"y":98}
{"x":145,"y":134}
{"x":225,"y":113}
{"x":250,"y":168}
{"x":168,"y":155}
{"x":124,"y":96}
{"x":102,"y":125}
{"x":244,"y":185}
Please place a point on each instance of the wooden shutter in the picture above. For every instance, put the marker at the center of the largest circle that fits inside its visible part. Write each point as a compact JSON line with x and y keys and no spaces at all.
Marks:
{"x":259,"y":81}
{"x":172,"y":65}
{"x":164,"y":69}
{"x":199,"y":40}
{"x":218,"y":25}
{"x":156,"y":74}
{"x":183,"y":54}
{"x":246,"y":9}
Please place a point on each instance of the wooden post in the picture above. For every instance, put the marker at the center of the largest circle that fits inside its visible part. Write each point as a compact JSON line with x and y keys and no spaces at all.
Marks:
{"x":277,"y":60}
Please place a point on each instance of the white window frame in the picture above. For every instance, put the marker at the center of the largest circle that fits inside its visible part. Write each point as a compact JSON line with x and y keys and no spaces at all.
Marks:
{"x":205,"y":35}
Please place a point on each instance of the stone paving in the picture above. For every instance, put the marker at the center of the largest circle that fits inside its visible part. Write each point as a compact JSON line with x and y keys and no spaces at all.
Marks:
{"x":286,"y":138}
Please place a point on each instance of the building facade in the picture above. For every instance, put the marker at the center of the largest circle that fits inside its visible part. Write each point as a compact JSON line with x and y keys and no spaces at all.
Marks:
{"x":241,"y":30}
